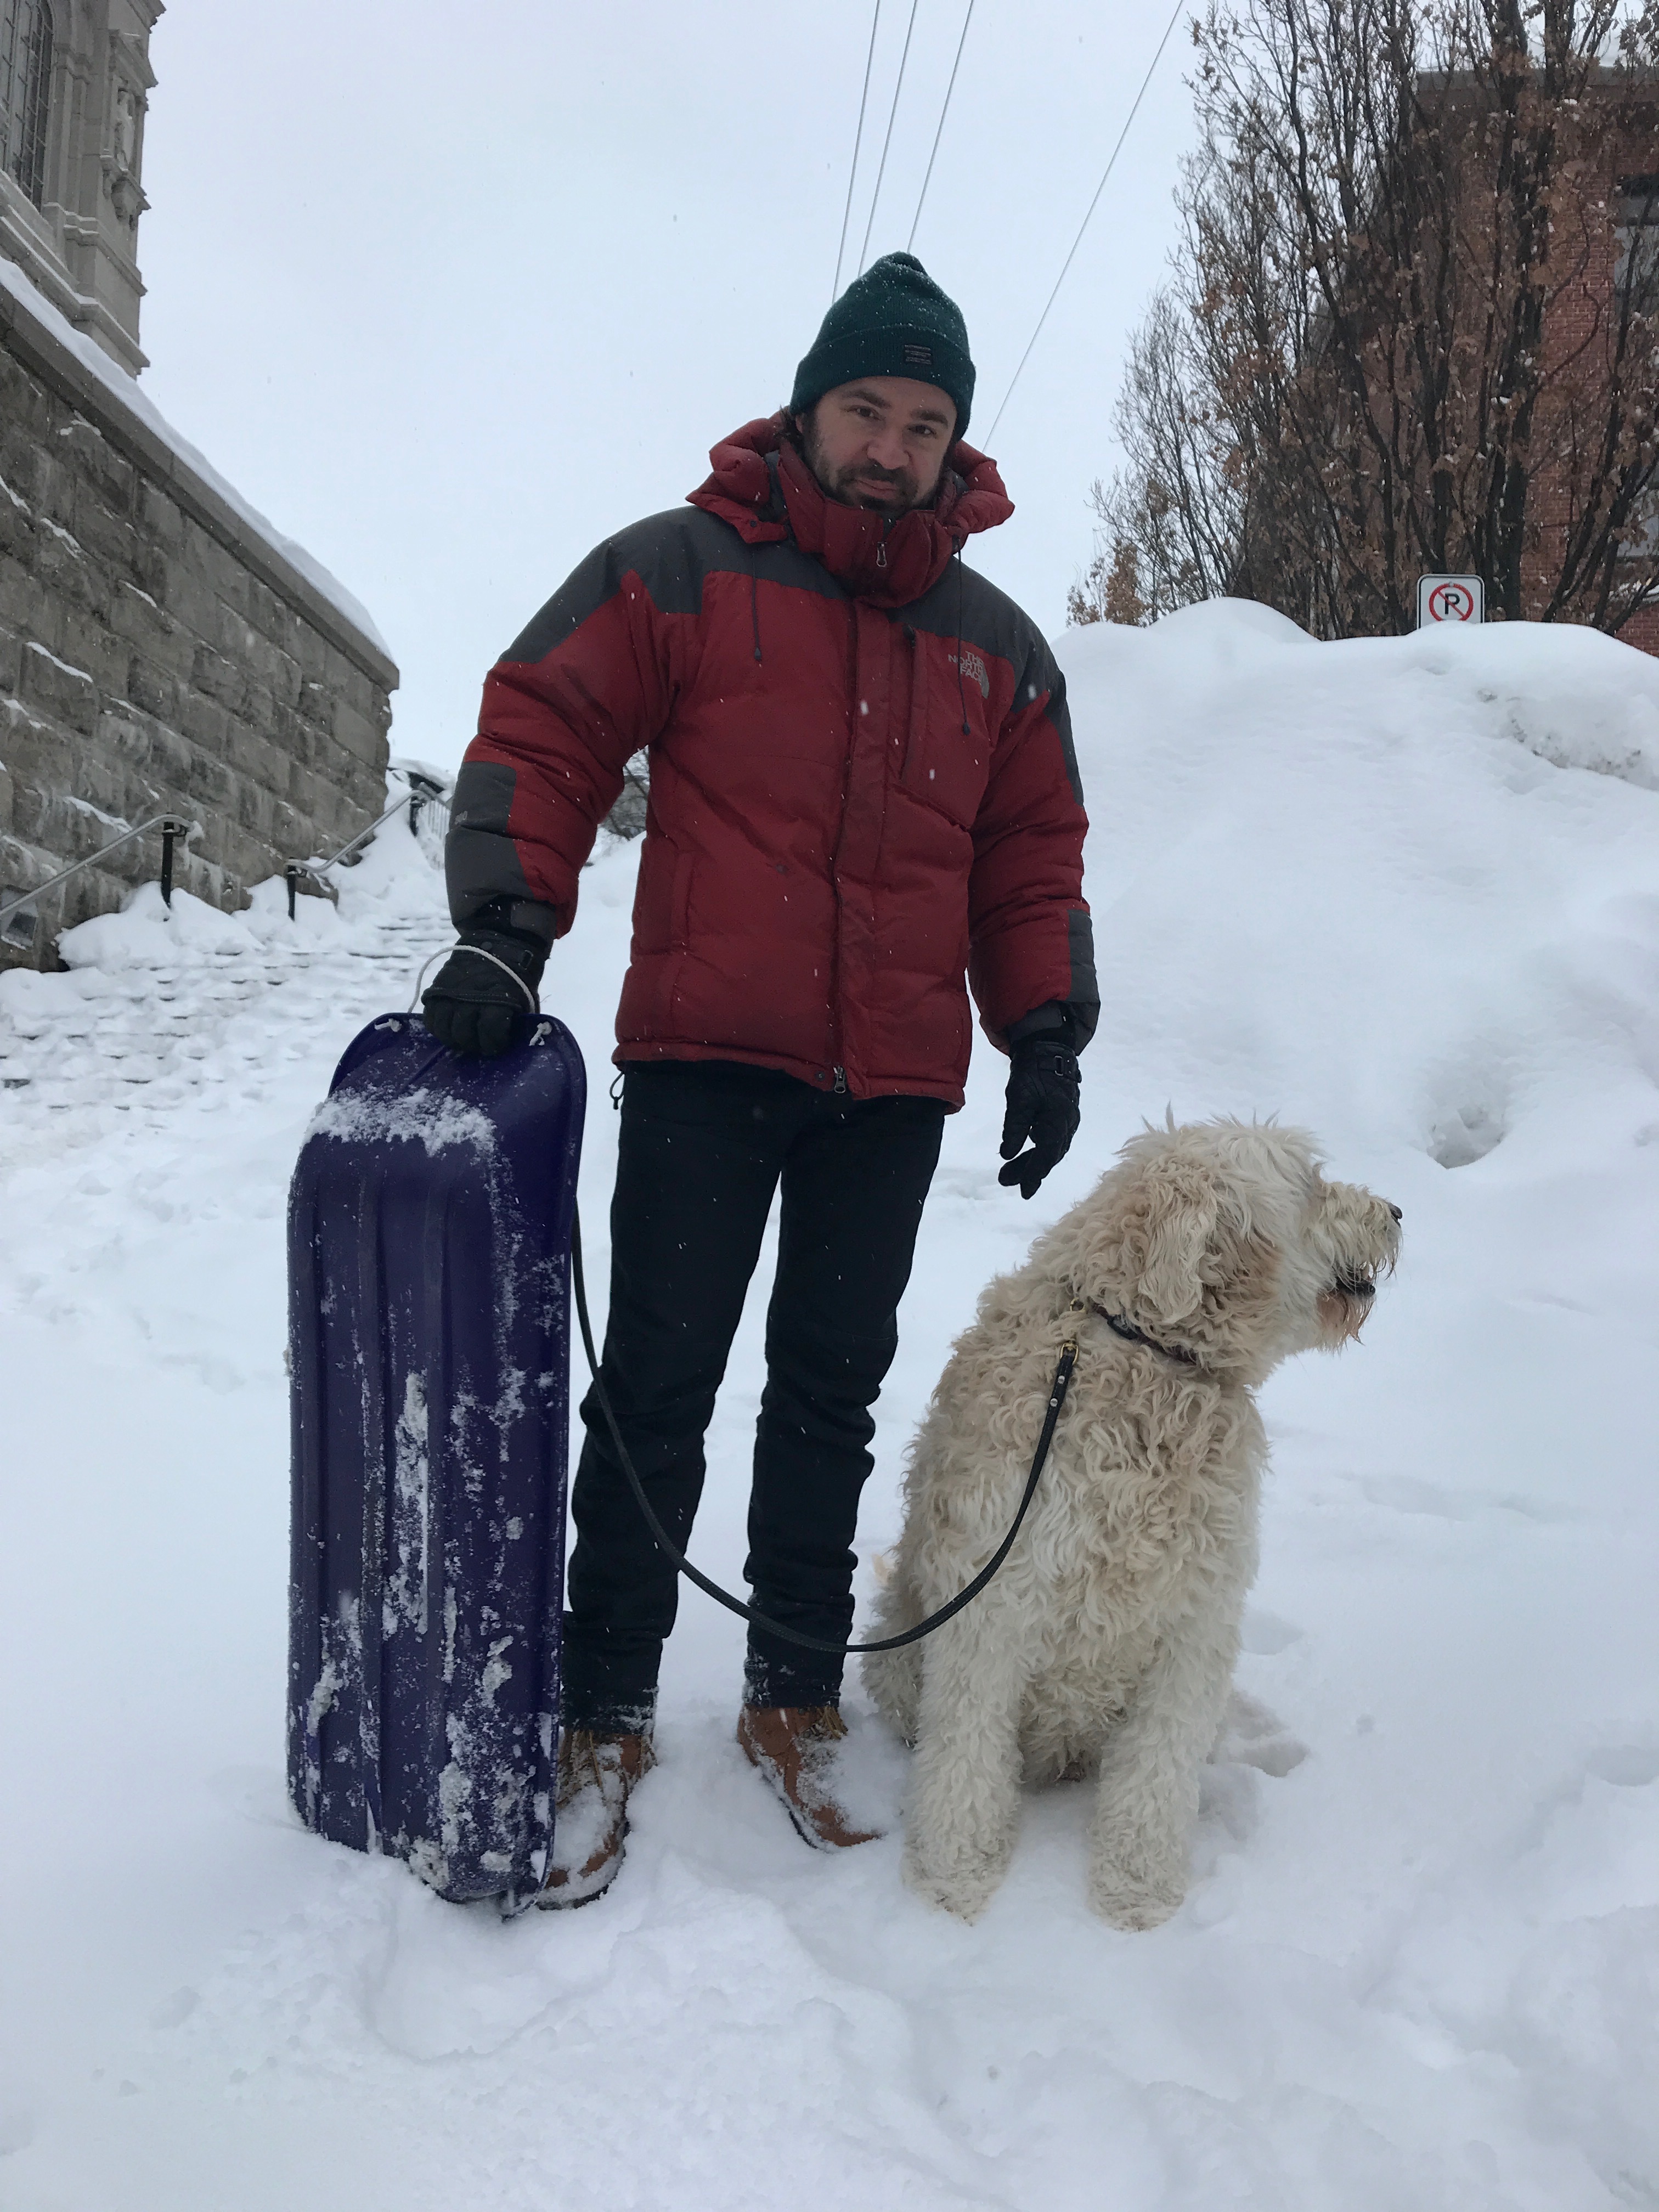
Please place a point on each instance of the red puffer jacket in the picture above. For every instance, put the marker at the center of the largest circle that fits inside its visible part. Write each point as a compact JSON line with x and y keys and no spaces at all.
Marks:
{"x":862,"y":782}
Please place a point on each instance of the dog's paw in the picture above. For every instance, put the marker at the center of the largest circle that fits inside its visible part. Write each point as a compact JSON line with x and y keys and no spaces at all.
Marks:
{"x":964,"y":1888}
{"x":1135,"y":1897}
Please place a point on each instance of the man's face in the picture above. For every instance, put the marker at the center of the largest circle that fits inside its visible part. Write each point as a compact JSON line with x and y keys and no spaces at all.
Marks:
{"x":879,"y":441}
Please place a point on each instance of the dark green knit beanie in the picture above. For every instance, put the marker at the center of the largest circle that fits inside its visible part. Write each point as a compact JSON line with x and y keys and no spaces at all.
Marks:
{"x":892,"y":321}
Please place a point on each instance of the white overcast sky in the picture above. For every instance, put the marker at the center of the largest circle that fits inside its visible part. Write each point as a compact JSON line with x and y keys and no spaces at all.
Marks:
{"x":451,"y":292}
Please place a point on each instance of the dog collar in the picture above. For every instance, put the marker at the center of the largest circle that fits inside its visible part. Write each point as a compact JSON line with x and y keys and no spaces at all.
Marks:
{"x":1131,"y":1334}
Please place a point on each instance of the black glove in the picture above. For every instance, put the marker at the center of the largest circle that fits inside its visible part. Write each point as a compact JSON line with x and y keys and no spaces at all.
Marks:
{"x":1044,"y":1086}
{"x":470,"y":1004}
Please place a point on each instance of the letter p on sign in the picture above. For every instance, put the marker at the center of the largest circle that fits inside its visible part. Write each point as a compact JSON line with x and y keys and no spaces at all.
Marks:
{"x":1450,"y":599}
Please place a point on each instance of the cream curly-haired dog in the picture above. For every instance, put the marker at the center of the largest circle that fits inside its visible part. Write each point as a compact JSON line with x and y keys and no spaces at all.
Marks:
{"x":1107,"y":1642}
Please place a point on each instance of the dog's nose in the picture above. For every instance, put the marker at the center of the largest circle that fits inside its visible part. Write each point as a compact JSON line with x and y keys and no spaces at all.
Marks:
{"x":1397,"y":1214}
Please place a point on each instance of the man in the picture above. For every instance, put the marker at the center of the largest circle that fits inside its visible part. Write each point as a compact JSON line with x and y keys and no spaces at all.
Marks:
{"x":862,"y":787}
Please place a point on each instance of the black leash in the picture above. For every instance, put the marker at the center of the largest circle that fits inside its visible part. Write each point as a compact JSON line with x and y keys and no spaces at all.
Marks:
{"x":670,"y":1550}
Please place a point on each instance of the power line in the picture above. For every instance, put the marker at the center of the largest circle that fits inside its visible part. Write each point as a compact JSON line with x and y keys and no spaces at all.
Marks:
{"x":888,"y":140}
{"x":858,"y":140}
{"x":1093,"y":203}
{"x":943,"y":113}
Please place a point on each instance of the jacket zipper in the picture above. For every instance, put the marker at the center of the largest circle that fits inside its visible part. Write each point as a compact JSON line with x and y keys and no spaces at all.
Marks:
{"x":838,"y":1071}
{"x":917,"y":706}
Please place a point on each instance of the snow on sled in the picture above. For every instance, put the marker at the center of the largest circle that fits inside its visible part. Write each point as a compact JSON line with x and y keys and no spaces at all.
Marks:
{"x":428,"y":1273}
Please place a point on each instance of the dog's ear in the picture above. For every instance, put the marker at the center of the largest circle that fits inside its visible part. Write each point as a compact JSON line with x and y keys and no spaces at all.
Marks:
{"x":1179,"y":1220}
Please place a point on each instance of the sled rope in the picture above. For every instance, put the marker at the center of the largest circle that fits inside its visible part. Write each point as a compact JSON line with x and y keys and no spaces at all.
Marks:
{"x":670,"y":1550}
{"x":478,"y":953}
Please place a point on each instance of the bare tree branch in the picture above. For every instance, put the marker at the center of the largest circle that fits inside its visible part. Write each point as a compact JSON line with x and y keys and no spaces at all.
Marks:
{"x":1389,"y":343}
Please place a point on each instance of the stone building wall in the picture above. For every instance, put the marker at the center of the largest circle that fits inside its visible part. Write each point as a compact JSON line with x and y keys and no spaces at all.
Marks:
{"x":70,"y":197}
{"x":157,"y":653}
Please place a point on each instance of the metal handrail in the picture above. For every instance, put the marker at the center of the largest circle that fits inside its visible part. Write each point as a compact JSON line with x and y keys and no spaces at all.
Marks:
{"x":295,"y":869}
{"x":173,"y":826}
{"x":422,"y":804}
{"x":414,"y":798}
{"x":170,"y":825}
{"x":363,"y":837}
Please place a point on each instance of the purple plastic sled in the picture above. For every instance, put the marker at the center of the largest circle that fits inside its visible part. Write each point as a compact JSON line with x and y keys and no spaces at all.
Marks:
{"x":428,"y":1280}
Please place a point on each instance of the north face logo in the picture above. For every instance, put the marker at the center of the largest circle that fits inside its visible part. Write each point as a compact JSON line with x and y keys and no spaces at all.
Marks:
{"x":918,"y":356}
{"x":975,"y":671}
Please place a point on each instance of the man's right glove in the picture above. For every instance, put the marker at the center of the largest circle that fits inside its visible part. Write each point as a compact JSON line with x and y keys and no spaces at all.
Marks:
{"x":1043,"y":1089}
{"x":470,"y":1004}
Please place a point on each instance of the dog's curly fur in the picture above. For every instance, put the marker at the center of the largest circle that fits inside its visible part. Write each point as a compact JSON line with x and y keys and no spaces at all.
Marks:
{"x":1106,"y":1644}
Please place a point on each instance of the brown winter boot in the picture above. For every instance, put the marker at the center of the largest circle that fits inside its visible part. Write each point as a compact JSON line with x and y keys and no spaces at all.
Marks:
{"x":794,"y":1747}
{"x":590,"y":1813}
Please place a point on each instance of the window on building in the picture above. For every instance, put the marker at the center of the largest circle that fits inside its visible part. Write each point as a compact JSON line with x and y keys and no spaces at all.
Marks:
{"x":1636,"y":219}
{"x":1636,"y":278}
{"x":25,"y":92}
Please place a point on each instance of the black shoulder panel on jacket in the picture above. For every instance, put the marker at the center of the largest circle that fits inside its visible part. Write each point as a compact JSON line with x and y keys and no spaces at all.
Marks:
{"x":660,"y":550}
{"x":967,"y":605}
{"x":672,"y":554}
{"x":963,"y":603}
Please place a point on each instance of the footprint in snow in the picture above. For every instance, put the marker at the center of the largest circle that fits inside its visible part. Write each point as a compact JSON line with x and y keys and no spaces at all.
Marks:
{"x":1252,"y":1735}
{"x":1252,"y":1742}
{"x":1264,"y":1634}
{"x":1628,"y":1766}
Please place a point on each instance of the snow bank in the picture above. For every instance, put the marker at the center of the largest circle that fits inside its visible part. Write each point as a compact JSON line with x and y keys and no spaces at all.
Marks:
{"x":1372,"y":845}
{"x":1404,"y":892}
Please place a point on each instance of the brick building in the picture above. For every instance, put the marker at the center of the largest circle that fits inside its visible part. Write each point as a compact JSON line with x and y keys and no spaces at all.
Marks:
{"x":1612,"y":241}
{"x":1601,"y":265}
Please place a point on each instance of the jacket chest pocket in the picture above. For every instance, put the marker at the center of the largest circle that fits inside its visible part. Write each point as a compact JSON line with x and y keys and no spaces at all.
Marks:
{"x":946,"y":757}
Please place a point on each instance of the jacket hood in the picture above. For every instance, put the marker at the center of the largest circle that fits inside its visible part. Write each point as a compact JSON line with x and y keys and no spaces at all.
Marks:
{"x":760,"y":483}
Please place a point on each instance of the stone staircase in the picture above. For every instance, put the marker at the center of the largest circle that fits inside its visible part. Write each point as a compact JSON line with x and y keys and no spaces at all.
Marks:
{"x":87,"y":1053}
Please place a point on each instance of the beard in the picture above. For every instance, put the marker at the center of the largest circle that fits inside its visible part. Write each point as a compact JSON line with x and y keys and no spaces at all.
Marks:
{"x":861,"y":483}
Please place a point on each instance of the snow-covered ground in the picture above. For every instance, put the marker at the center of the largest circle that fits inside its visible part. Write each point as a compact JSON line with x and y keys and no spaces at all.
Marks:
{"x":1404,"y":892}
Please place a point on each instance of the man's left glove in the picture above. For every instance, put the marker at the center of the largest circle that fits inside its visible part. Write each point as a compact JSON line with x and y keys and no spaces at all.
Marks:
{"x":469,"y":1005}
{"x":1043,"y":1089}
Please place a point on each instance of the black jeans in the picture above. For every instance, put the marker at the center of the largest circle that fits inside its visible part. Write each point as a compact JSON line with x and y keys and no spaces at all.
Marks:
{"x":703,"y":1145}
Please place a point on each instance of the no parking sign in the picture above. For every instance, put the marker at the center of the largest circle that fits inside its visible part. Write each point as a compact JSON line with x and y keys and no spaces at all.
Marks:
{"x":1450,"y":599}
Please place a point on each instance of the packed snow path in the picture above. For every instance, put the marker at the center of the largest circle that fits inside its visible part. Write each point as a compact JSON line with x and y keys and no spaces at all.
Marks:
{"x":150,"y":1038}
{"x":1406,"y":893}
